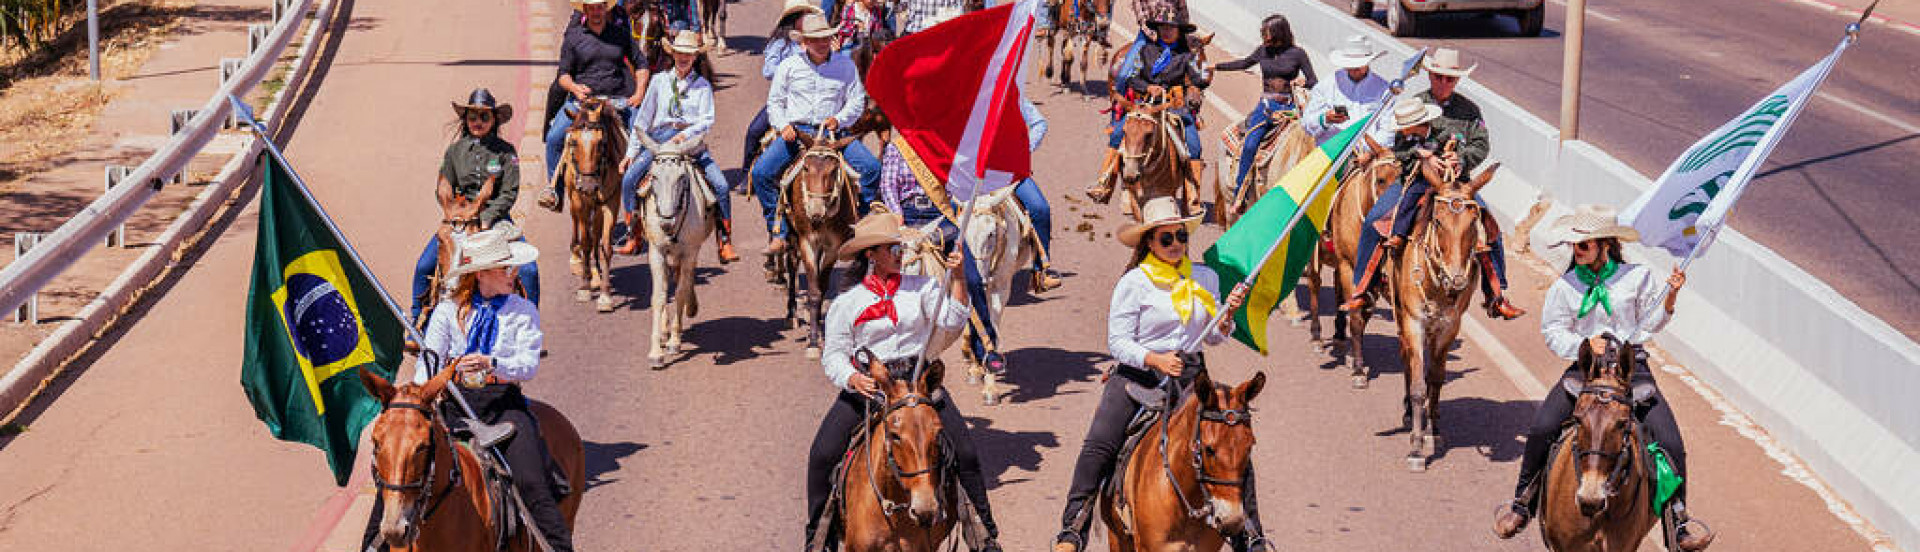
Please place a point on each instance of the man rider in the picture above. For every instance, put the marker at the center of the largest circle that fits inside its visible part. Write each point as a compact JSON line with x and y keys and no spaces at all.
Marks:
{"x":1349,"y":95}
{"x":819,"y":91}
{"x":596,"y":59}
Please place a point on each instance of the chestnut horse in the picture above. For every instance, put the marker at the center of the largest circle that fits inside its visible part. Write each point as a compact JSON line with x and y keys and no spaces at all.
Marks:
{"x":1183,"y":487}
{"x":1077,"y":24}
{"x":434,"y":492}
{"x":819,"y":206}
{"x":589,"y":168}
{"x":1368,"y":176}
{"x":713,"y":22}
{"x":1153,"y":161}
{"x":1599,"y":493}
{"x":462,"y":216}
{"x":1434,"y":279}
{"x":898,"y":492}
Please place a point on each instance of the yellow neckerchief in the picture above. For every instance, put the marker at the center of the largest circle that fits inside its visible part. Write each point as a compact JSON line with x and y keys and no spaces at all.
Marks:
{"x":1180,"y":281}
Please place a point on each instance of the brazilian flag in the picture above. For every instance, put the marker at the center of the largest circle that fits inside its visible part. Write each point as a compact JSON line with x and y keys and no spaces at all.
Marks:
{"x":314,"y":316}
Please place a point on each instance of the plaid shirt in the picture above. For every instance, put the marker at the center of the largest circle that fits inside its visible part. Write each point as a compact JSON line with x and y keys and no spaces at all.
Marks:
{"x":897,"y":183}
{"x":857,"y":23}
{"x":920,"y":12}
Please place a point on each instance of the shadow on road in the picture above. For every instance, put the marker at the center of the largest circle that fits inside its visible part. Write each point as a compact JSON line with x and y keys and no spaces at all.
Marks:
{"x":1490,"y":427}
{"x":735,"y":338}
{"x":604,"y":458}
{"x":1038,"y":373}
{"x":1003,"y":450}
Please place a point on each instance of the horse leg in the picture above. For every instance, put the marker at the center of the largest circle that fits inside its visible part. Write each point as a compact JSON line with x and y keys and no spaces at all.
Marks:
{"x":659,"y":305}
{"x":815,"y":295}
{"x":1412,"y":356}
{"x":683,"y":297}
{"x":603,"y":263}
{"x":577,"y":254}
{"x":1436,"y":373}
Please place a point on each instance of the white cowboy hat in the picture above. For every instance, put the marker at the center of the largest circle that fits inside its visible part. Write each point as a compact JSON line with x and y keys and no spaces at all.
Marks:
{"x":814,"y":25}
{"x":794,"y":6}
{"x":685,"y":42}
{"x":1357,"y":51}
{"x":1408,"y":112}
{"x":1158,"y":212}
{"x":1591,"y":222}
{"x":491,"y":248}
{"x":1446,"y":61}
{"x":581,"y":5}
{"x":875,"y":230}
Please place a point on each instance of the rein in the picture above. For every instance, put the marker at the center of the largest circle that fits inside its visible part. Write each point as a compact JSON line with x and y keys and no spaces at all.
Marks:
{"x":1624,"y":457}
{"x":425,"y":501}
{"x":1430,"y":244}
{"x":887,"y":506}
{"x":1223,"y":416}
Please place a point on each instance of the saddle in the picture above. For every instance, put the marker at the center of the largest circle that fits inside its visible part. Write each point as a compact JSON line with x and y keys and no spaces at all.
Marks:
{"x":697,"y":185}
{"x":1155,"y":402}
{"x":505,"y":515}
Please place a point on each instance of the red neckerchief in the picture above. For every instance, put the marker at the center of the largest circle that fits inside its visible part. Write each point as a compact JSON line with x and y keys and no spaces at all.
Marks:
{"x":885,"y":287}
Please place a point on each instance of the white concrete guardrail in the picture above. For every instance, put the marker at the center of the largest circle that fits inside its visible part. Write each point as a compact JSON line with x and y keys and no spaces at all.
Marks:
{"x":1822,"y":376}
{"x":60,"y":249}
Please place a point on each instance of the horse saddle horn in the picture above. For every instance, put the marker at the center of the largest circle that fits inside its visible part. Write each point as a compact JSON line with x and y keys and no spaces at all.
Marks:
{"x":488,"y":435}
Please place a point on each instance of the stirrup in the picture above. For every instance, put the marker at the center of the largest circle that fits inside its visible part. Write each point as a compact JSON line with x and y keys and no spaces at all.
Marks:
{"x":488,"y":435}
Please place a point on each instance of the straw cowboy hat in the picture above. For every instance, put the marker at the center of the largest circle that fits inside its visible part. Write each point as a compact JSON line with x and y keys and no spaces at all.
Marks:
{"x":1357,"y":51}
{"x":1591,"y":222}
{"x":492,"y":248}
{"x":481,"y":98}
{"x":875,"y":230}
{"x":814,"y":25}
{"x":1158,"y":212}
{"x":1408,"y":112}
{"x":685,"y":42}
{"x":798,"y":6}
{"x":1446,"y":61}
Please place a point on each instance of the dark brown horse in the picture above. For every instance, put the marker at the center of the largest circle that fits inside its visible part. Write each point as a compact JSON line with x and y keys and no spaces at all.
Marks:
{"x":872,"y":120}
{"x":433,"y":491}
{"x":1434,"y":277}
{"x":589,"y":171}
{"x":1368,"y":176}
{"x":1598,"y":493}
{"x":713,"y":22}
{"x":898,"y":491}
{"x":819,"y":207}
{"x":1183,"y":487}
{"x":1077,"y":25}
{"x":1153,"y":164}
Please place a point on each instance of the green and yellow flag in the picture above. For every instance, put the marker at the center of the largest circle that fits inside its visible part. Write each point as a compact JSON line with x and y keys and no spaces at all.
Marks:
{"x":314,"y":316}
{"x":1241,"y":250}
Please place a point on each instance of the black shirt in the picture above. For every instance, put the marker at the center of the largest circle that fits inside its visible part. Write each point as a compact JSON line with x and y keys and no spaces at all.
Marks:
{"x":599,"y":60}
{"x":1176,"y":73}
{"x":1275,"y":63}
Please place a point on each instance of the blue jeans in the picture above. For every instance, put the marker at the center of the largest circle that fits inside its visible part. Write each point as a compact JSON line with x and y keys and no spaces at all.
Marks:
{"x":1403,"y":225}
{"x":430,"y":257}
{"x":557,"y":132}
{"x":630,"y":182}
{"x":681,"y":16}
{"x":1188,"y":131}
{"x":1259,"y":124}
{"x":773,"y":162}
{"x":1035,"y":202}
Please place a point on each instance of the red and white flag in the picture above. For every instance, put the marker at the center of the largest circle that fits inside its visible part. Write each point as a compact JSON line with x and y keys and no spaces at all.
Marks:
{"x":952,"y":91}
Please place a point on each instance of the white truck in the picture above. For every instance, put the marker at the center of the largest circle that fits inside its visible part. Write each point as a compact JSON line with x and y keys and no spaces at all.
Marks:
{"x":1403,"y":16}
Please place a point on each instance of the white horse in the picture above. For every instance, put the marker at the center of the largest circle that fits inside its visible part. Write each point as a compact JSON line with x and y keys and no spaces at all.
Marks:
{"x":1000,"y":237}
{"x":676,"y":199}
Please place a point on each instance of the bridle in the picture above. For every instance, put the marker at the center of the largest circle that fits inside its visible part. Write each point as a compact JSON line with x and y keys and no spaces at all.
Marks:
{"x":1230,"y":417}
{"x":1450,"y":281}
{"x":425,"y":500}
{"x":683,"y":194}
{"x":910,"y":400}
{"x":839,"y":179}
{"x":597,"y":127}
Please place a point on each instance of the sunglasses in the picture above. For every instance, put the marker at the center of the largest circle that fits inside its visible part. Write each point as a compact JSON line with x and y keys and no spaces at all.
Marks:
{"x":479,"y":115}
{"x":1585,"y":245}
{"x":1167,"y":238}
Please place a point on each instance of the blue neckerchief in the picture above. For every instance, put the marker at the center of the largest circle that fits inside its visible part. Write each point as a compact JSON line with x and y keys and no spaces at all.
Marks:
{"x":1166,"y":57}
{"x":486,"y":324}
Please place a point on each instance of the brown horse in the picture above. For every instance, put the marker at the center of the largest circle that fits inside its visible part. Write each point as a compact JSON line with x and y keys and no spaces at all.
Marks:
{"x":898,"y":491}
{"x":872,"y":120}
{"x":1077,"y":24}
{"x":1598,"y":489}
{"x":1433,"y":279}
{"x":1183,"y":487}
{"x":589,"y":169}
{"x":1368,"y":176}
{"x":462,"y":215}
{"x":434,"y":492}
{"x":819,"y":207}
{"x":713,"y":22}
{"x":1153,"y":163}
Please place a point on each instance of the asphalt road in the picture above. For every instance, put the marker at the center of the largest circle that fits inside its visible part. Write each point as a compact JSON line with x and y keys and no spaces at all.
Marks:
{"x":1659,"y":75}
{"x":707,"y":453}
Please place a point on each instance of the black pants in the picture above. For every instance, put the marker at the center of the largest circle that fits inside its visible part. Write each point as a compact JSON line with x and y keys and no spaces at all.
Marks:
{"x":836,"y":434}
{"x":526,"y":455}
{"x":1104,"y":439}
{"x":1557,"y":408}
{"x":755,"y":131}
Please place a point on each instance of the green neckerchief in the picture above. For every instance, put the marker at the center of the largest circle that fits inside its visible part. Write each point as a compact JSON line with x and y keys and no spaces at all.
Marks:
{"x":1596,"y":286}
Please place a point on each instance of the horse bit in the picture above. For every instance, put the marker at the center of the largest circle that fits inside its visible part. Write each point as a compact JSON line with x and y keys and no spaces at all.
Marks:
{"x":1230,"y":417}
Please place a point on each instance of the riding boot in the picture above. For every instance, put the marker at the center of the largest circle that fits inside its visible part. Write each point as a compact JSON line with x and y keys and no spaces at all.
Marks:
{"x":635,"y":237}
{"x":727,"y":254}
{"x":1690,"y":535}
{"x":1497,"y":304}
{"x":1367,"y":275}
{"x":1198,"y":167}
{"x":1074,"y":525}
{"x":1102,"y":190}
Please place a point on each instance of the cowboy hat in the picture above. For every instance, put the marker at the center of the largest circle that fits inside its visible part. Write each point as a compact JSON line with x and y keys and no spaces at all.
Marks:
{"x":798,"y":6}
{"x":1158,"y":212}
{"x":482,"y":98}
{"x":1409,"y":112}
{"x":685,"y":42}
{"x":1168,"y":14}
{"x":581,"y":5}
{"x":1446,"y":61}
{"x":814,"y":25}
{"x":875,"y":230}
{"x":491,"y":248}
{"x":1591,"y":222}
{"x":1356,"y":52}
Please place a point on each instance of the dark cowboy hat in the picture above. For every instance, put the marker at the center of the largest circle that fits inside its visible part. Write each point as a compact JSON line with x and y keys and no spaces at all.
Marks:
{"x":481,"y":98}
{"x":1166,"y":13}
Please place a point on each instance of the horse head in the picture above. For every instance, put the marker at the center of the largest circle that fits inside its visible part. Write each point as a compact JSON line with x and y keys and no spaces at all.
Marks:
{"x":1455,"y":232}
{"x":1142,"y":141}
{"x":822,"y":177}
{"x":405,"y":441}
{"x":673,"y":173}
{"x":1603,"y":418}
{"x":908,"y":433}
{"x":587,"y":140}
{"x":1223,"y":447}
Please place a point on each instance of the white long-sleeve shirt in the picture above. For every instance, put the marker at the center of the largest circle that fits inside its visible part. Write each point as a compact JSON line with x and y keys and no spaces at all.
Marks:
{"x":913,"y":302}
{"x":693,"y":116}
{"x":804,"y":93}
{"x":1338,"y":89}
{"x":516,"y":352}
{"x":1634,"y":291}
{"x":1141,"y":319}
{"x":1036,"y":124}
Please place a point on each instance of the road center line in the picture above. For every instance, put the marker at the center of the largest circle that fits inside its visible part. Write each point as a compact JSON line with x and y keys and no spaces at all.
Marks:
{"x":1904,"y":126}
{"x":1592,"y":12}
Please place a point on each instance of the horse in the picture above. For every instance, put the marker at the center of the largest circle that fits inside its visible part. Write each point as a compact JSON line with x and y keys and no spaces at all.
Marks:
{"x":1081,"y":24}
{"x":1434,"y":278}
{"x":589,"y":169}
{"x":1001,"y":239}
{"x":819,"y":206}
{"x":1599,"y":491}
{"x":1188,"y":491}
{"x":462,"y":216}
{"x":676,"y":198}
{"x":647,"y":22}
{"x":1153,"y":162}
{"x":1287,"y":144}
{"x":435,"y":491}
{"x":872,"y":120}
{"x":1368,"y":176}
{"x":897,"y":486}
{"x":713,"y":22}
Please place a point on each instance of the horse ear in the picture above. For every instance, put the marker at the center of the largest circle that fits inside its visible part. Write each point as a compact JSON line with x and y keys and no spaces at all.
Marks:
{"x":876,"y":370}
{"x":1252,"y":387}
{"x":932,"y":376}
{"x":437,"y":384}
{"x":1481,"y":181}
{"x":1374,"y":146}
{"x":1587,"y":354}
{"x":806,"y":140}
{"x":378,"y":386}
{"x":1203,"y":390}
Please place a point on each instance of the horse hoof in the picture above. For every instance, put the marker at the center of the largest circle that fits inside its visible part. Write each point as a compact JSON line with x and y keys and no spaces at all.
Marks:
{"x":583,"y":296}
{"x":1417,"y":463}
{"x":605,"y":304}
{"x":990,"y":399}
{"x":1433,"y":442}
{"x":1359,"y":382}
{"x":973,"y":375}
{"x":813,"y":353}
{"x":656,"y":362}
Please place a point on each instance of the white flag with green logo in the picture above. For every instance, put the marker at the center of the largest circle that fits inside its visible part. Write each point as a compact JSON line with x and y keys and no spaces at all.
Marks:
{"x":1689,"y":203}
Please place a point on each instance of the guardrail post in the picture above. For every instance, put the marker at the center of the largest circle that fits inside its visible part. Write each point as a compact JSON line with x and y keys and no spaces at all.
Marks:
{"x":228,"y":68}
{"x":115,"y":175}
{"x":29,"y":312}
{"x":178,"y":120}
{"x":256,"y":36}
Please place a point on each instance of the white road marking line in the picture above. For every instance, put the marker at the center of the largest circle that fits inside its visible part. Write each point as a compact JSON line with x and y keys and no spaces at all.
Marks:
{"x":1851,"y":13}
{"x":1904,"y":126}
{"x":1592,"y":12}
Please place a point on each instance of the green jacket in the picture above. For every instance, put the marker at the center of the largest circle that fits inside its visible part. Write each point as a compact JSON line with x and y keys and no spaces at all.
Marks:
{"x":1473,"y":144}
{"x":470,"y":161}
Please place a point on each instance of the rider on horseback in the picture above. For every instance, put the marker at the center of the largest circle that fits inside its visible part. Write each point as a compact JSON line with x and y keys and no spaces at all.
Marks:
{"x":1172,"y":65}
{"x":477,"y":161}
{"x":1602,"y":295}
{"x":1349,"y":95}
{"x":784,"y":43}
{"x":813,"y":93}
{"x":678,"y":107}
{"x":1162,"y":301}
{"x":891,"y":315}
{"x":596,"y":59}
{"x":1281,"y":64}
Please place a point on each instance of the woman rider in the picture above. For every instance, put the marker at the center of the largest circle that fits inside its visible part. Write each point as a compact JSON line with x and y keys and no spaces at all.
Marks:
{"x":891,"y":315}
{"x":1281,"y":65}
{"x":1165,"y":62}
{"x":678,"y":106}
{"x":476,"y":159}
{"x":1162,"y":301}
{"x":783,"y":43}
{"x":1599,"y":295}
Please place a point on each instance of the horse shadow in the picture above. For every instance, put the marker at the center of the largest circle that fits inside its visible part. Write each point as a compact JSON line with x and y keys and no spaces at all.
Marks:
{"x":1494,"y":428}
{"x":1002,"y":450}
{"x":1039,"y":373}
{"x":635,"y":282}
{"x":735,"y":338}
{"x":604,"y":458}
{"x":746,"y":43}
{"x":1024,"y":296}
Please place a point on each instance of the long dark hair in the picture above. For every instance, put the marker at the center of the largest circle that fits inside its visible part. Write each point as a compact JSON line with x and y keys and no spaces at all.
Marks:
{"x":856,"y":272}
{"x":1140,"y":252}
{"x":786,"y":24}
{"x":1611,"y":247}
{"x":1275,"y":31}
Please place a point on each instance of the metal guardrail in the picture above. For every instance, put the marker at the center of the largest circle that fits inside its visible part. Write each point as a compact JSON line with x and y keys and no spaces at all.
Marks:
{"x":65,"y":245}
